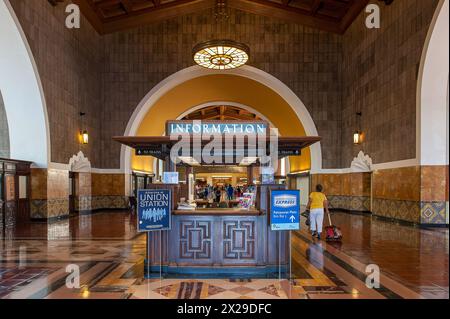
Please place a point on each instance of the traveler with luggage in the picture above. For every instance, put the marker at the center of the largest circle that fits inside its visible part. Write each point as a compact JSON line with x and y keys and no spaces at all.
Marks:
{"x":317,"y":205}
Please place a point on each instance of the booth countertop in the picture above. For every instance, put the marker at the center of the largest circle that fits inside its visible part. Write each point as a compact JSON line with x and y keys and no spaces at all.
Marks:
{"x":217,"y":212}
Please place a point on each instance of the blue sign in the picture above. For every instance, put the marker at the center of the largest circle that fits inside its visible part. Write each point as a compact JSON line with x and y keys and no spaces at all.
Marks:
{"x":203,"y":127}
{"x":153,"y":209}
{"x":285,"y":210}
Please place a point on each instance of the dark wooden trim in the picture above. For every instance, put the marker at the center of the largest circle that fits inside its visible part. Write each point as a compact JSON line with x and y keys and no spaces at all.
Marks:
{"x":155,"y":14}
{"x":91,"y":14}
{"x":275,"y":10}
{"x":14,"y":161}
{"x":355,"y":9}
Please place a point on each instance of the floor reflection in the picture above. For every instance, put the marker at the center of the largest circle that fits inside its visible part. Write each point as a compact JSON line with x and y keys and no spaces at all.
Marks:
{"x":110,"y":255}
{"x":416,"y":257}
{"x":120,"y":224}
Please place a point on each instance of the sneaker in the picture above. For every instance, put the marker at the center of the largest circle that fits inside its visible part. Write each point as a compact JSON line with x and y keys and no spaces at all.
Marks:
{"x":314,"y":234}
{"x":318,"y":236}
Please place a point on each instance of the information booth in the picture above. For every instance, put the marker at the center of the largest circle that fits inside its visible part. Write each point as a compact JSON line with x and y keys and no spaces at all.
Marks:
{"x":212,"y":233}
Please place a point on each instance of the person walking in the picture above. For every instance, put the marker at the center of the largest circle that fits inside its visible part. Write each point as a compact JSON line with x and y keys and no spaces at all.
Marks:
{"x":317,"y":205}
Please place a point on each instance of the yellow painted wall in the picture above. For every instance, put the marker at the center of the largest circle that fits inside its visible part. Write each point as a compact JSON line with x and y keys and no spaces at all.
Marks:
{"x":230,"y":88}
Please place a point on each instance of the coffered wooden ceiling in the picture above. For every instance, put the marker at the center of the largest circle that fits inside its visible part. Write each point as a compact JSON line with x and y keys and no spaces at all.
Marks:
{"x":113,"y":15}
{"x":222,"y":112}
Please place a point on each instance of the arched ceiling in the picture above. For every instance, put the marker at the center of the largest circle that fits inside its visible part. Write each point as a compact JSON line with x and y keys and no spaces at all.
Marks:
{"x":113,"y":15}
{"x":222,"y":113}
{"x":210,"y":89}
{"x":4,"y":131}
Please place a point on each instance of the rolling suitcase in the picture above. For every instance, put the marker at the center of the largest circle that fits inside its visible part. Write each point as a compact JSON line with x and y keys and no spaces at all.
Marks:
{"x":333,"y":233}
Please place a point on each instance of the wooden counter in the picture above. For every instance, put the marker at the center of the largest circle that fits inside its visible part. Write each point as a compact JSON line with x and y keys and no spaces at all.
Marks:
{"x":213,"y":241}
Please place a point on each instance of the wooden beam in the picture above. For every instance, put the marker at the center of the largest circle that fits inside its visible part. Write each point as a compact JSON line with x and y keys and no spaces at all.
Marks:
{"x":127,"y":5}
{"x":91,"y":14}
{"x":316,"y":6}
{"x":355,"y":8}
{"x":222,"y":112}
{"x":161,"y":12}
{"x":277,"y":10}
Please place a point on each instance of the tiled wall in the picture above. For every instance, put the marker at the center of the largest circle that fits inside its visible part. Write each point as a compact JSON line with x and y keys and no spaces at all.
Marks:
{"x":108,"y":191}
{"x":304,"y":59}
{"x":99,"y":191}
{"x":345,"y":191}
{"x":83,"y":191}
{"x":379,"y":78}
{"x":81,"y":70}
{"x":396,"y":193}
{"x":373,"y":71}
{"x":414,"y":194}
{"x":69,"y":64}
{"x":49,"y":193}
{"x":433,"y":194}
{"x":4,"y":133}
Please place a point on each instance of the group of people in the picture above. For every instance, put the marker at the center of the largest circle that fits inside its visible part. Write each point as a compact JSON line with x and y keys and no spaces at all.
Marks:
{"x":219,"y":193}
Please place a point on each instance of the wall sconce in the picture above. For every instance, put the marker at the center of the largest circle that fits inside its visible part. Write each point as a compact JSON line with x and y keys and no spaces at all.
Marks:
{"x":358,"y":135}
{"x":84,"y":136}
{"x":357,"y":138}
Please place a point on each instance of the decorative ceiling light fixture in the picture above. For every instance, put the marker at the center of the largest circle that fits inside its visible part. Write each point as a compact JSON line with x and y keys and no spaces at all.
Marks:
{"x":221,"y":54}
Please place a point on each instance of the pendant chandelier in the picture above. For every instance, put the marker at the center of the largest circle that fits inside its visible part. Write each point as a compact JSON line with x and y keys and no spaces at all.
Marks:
{"x":221,"y":54}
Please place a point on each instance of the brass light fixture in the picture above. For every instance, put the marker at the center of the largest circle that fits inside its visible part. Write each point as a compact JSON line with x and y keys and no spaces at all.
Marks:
{"x":221,"y":54}
{"x":357,"y":138}
{"x":84,"y":136}
{"x":358,"y":135}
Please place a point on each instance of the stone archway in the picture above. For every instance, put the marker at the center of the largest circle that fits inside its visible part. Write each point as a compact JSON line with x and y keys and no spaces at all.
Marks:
{"x":432,"y":100}
{"x":232,"y":104}
{"x":22,"y":93}
{"x":432,"y":119}
{"x":249,"y":72}
{"x":4,"y":131}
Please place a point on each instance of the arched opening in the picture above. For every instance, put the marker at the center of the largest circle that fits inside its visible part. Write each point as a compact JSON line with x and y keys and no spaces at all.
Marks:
{"x":225,"y":111}
{"x":4,"y":131}
{"x":433,"y":92}
{"x":432,"y":119}
{"x":196,"y":86}
{"x":22,"y":93}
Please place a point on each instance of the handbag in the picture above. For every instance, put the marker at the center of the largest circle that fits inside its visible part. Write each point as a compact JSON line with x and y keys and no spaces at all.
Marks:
{"x":306,"y":214}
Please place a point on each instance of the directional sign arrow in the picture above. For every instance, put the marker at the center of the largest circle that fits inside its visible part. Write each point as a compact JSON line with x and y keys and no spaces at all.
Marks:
{"x":292,"y":218}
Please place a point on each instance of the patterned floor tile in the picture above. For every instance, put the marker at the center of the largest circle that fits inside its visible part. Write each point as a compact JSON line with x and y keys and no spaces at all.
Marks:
{"x":414,"y":263}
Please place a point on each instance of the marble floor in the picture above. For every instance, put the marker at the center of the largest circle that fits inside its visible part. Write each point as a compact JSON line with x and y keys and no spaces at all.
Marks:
{"x":36,"y":261}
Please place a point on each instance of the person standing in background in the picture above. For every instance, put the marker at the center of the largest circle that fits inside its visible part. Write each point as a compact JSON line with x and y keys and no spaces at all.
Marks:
{"x":230,"y":192}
